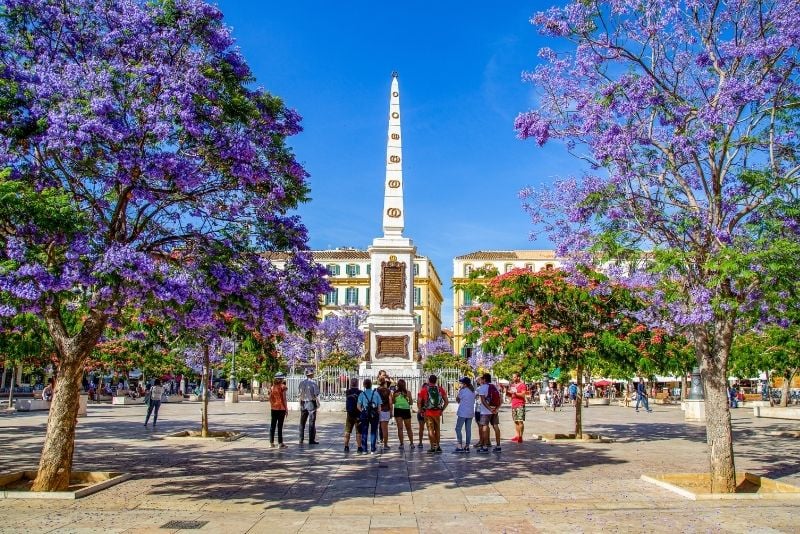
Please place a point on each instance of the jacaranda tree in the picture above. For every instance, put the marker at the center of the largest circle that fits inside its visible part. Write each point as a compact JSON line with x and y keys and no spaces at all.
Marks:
{"x":141,"y":171}
{"x":686,"y":114}
{"x":552,"y":319}
{"x":338,"y":335}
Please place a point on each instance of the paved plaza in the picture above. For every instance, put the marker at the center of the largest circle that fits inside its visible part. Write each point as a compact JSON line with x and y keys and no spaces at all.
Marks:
{"x":244,"y":486}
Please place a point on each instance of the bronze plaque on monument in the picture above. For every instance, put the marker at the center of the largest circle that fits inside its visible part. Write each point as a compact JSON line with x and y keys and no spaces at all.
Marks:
{"x":393,"y":285}
{"x":391,"y":347}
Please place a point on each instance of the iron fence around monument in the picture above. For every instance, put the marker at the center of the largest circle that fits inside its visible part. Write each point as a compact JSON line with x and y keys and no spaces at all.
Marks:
{"x":334,"y":382}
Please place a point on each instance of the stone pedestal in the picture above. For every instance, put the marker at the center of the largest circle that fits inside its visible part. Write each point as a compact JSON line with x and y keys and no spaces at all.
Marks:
{"x":83,"y":401}
{"x":695,"y":411}
{"x":231,"y":396}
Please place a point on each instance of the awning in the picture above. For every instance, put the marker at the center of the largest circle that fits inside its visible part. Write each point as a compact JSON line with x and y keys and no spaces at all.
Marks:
{"x":602,"y":383}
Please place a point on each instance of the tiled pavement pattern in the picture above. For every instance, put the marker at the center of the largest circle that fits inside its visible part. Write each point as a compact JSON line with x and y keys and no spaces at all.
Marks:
{"x":244,"y":486}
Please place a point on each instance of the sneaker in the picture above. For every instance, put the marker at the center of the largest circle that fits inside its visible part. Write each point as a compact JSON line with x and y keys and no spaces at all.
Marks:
{"x":419,"y":446}
{"x":313,"y":442}
{"x":496,"y":449}
{"x":272,"y":445}
{"x":483,"y":450}
{"x":283,"y":446}
{"x":401,"y":447}
{"x":466,"y":450}
{"x":648,"y":411}
{"x":438,"y":450}
{"x":432,"y":450}
{"x":459,"y":450}
{"x":373,"y":451}
{"x":386,"y":447}
{"x":347,"y":448}
{"x":360,"y":450}
{"x":515,"y":439}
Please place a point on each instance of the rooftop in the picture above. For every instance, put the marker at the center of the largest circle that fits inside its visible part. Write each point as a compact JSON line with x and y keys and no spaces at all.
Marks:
{"x":509,"y":255}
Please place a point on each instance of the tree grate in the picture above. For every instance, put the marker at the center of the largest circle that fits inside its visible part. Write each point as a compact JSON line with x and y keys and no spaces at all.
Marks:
{"x":188,"y":525}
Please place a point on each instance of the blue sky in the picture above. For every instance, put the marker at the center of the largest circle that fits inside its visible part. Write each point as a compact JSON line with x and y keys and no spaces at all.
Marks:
{"x":460,"y":90}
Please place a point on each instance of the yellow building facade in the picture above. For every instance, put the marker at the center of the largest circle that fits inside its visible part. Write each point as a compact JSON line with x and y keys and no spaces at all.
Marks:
{"x":501,"y":260}
{"x":349,"y":275}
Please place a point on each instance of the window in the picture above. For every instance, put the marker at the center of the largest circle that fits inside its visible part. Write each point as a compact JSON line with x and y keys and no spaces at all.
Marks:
{"x":467,"y":325}
{"x":509,"y":266}
{"x":367,"y":293}
{"x":416,"y":269}
{"x":352,"y":269}
{"x":332,"y":298}
{"x":351,"y":296}
{"x":467,"y":298}
{"x":418,"y":320}
{"x":467,"y":269}
{"x":548,"y":267}
{"x":529,"y":266}
{"x":369,"y":268}
{"x":417,"y":296}
{"x":333,"y":269}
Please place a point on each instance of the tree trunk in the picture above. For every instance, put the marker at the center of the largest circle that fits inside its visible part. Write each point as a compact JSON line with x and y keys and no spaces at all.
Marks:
{"x":11,"y":391}
{"x":579,"y":405}
{"x":206,"y":387}
{"x":769,"y":390}
{"x":55,"y":463}
{"x":5,"y":372}
{"x":714,"y":349}
{"x":785,"y":388}
{"x":683,"y":387}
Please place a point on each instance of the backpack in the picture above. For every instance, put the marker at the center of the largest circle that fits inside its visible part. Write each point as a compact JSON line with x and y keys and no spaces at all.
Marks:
{"x":371,"y":413}
{"x":351,"y":404}
{"x":493,"y":396}
{"x":435,"y":400}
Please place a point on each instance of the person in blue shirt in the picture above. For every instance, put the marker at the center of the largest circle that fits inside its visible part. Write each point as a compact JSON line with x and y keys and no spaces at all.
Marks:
{"x":369,"y":402}
{"x":573,"y":392}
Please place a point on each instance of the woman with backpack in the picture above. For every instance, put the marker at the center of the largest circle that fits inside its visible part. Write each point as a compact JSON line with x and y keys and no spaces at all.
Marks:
{"x":402,"y":401}
{"x":369,"y":402}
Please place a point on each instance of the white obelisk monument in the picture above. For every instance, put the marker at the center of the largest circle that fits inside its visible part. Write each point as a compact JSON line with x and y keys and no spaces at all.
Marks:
{"x":390,"y":326}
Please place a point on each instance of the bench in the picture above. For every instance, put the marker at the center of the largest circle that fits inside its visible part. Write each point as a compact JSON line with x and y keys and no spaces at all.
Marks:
{"x":31,"y":405}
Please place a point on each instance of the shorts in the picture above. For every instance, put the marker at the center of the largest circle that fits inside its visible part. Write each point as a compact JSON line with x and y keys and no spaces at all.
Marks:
{"x":489,"y":419}
{"x":385,"y":416}
{"x":420,"y":417}
{"x":518,"y":414}
{"x":350,"y":422}
{"x":402,"y":413}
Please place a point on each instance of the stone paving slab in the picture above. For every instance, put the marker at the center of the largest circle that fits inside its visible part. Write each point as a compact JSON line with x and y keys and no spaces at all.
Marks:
{"x":245,"y":486}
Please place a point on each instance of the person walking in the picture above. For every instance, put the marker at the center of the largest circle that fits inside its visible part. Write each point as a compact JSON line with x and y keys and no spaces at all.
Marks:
{"x":466,"y":411}
{"x":386,"y":412}
{"x":401,"y":399}
{"x":490,"y":405}
{"x":517,"y":391}
{"x":433,"y":398}
{"x":278,"y":408}
{"x":369,"y":403}
{"x":351,"y":406}
{"x":309,"y":402}
{"x":153,"y":401}
{"x":641,"y":395}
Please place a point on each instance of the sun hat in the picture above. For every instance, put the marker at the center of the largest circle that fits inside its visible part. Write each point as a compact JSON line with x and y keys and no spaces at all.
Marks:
{"x":465,"y":380}
{"x":280,"y":375}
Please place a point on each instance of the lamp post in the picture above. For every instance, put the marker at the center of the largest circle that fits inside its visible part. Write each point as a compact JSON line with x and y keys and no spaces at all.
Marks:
{"x":232,"y":381}
{"x":232,"y":394}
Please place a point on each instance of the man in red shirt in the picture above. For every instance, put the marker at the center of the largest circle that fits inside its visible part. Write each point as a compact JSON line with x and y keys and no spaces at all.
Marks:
{"x":518,"y":391}
{"x":433,"y":400}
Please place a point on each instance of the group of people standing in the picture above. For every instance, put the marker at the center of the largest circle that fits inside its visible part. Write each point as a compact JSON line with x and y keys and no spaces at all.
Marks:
{"x":369,"y":411}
